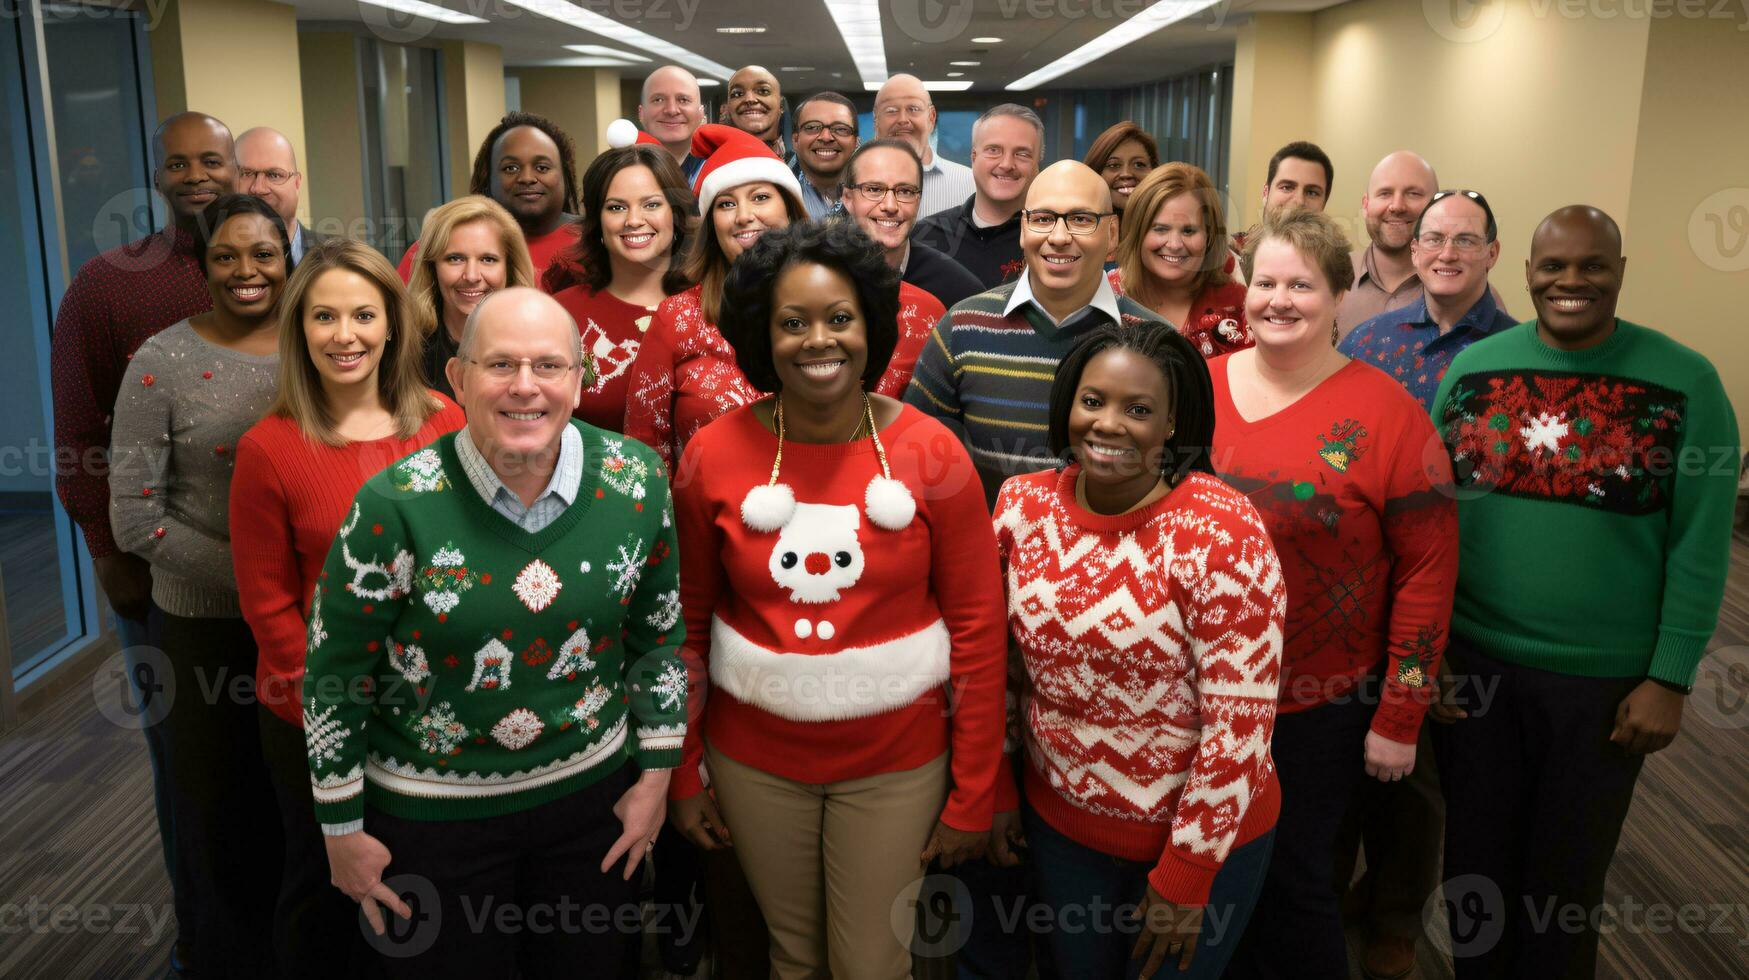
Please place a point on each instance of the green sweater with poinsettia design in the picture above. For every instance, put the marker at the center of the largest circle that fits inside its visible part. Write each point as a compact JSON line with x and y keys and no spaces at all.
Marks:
{"x":460,"y":667}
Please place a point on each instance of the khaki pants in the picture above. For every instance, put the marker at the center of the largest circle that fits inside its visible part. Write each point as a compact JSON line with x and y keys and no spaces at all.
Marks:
{"x":830,"y":863}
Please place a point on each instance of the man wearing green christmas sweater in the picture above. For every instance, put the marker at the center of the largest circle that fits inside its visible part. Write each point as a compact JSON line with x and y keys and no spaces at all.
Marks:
{"x":1595,"y":462}
{"x":493,"y":697}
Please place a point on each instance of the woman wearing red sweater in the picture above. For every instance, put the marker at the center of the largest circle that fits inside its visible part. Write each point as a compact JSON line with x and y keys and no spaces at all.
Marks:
{"x":637,"y":214}
{"x":467,"y":248}
{"x":686,"y":374}
{"x":1175,"y":262}
{"x":838,"y":573}
{"x":1146,"y":603}
{"x":1333,"y":453}
{"x":351,"y":401}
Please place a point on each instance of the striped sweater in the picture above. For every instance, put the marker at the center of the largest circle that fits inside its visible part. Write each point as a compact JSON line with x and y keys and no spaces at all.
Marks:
{"x":987,"y":376}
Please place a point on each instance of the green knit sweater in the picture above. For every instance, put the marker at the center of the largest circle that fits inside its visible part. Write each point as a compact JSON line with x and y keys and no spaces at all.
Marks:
{"x":1596,"y":491}
{"x":461,"y":667}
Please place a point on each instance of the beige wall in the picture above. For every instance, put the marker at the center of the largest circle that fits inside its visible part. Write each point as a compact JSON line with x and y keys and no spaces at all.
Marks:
{"x":245,"y":48}
{"x":473,"y":76}
{"x":1688,"y":260}
{"x":334,"y":169}
{"x":581,"y":101}
{"x":1271,"y":62}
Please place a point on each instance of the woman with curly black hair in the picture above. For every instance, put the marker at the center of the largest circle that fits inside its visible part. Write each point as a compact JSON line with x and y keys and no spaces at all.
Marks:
{"x":838,"y":571}
{"x":637,"y":217}
{"x":528,"y":165}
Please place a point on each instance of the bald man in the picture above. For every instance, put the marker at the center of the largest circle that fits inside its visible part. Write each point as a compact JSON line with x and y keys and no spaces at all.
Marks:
{"x":114,"y":303}
{"x":268,"y":168}
{"x":904,"y":110}
{"x":755,"y":105}
{"x":1019,"y":329}
{"x":670,"y":109}
{"x":1596,"y":469}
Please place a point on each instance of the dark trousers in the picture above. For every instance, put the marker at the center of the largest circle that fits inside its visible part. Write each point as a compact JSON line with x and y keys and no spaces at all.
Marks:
{"x":518,"y":893}
{"x":228,"y":837}
{"x":1401,"y":827}
{"x":1296,"y":929}
{"x":1092,"y":898}
{"x":1536,"y":794}
{"x":139,"y":639}
{"x":317,"y":932}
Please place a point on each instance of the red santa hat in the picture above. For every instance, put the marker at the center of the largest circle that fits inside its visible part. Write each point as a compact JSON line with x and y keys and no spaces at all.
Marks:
{"x":732,"y":158}
{"x":624,"y":132}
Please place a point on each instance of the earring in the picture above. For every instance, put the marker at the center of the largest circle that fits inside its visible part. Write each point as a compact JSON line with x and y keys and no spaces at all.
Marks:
{"x":1335,"y":333}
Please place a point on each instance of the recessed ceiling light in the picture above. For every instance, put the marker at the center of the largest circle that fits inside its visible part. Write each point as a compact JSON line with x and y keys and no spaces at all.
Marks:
{"x":1162,"y":14}
{"x":708,"y":83}
{"x":430,"y":11}
{"x":965,"y":64}
{"x":928,"y":86}
{"x":587,"y":20}
{"x":740,"y":30}
{"x":956,"y":74}
{"x":986,"y":40}
{"x":585,"y":61}
{"x":602,"y":51}
{"x":797,"y":68}
{"x":859,"y":22}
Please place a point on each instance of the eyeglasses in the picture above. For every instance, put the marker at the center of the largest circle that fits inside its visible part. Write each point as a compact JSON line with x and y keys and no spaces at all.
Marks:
{"x":1043,"y":221}
{"x":506,"y":368}
{"x":839,"y":130}
{"x":873,"y":192}
{"x":916,"y":110}
{"x":275,"y":176}
{"x":1433,"y":241}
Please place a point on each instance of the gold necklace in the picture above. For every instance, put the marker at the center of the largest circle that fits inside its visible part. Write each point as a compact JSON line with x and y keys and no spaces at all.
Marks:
{"x":888,"y":502}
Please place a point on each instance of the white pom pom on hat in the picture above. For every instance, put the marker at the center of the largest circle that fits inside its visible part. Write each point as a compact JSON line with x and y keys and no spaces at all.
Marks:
{"x":889,"y":503}
{"x":623,"y":133}
{"x":768,"y":507}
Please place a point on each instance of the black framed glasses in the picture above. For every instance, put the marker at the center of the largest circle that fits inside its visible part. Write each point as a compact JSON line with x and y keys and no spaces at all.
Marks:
{"x":814,"y":128}
{"x":1043,"y":221}
{"x":903,"y":193}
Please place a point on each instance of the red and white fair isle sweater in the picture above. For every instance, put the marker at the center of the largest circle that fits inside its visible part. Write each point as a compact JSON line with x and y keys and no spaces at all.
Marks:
{"x":685,"y":373}
{"x":830,"y":642}
{"x":1151,"y":643}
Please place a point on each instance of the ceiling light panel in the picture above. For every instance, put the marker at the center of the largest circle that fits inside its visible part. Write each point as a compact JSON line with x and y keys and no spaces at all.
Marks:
{"x":594,"y":23}
{"x":430,"y":11}
{"x":859,"y":23}
{"x":1163,"y":14}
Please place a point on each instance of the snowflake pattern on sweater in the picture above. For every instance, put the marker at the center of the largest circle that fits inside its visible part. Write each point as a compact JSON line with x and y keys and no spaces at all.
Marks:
{"x":525,"y":691}
{"x":1151,"y":651}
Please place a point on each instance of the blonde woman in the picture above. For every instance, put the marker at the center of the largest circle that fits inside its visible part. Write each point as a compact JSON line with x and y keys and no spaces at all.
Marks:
{"x":467,"y":248}
{"x":1172,"y":257}
{"x":352,"y":399}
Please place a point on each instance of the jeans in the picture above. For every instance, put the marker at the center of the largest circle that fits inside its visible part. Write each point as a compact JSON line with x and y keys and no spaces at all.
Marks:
{"x":135,"y":637}
{"x":1092,"y":895}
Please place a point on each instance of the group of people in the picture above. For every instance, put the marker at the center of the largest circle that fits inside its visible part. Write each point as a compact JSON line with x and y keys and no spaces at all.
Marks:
{"x":803,"y":518}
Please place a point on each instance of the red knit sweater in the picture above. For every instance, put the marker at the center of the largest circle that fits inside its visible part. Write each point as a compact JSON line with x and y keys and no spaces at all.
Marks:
{"x":685,"y":373}
{"x":1151,"y":643}
{"x":541,"y":252}
{"x":288,"y":498}
{"x":829,"y":642}
{"x":612,"y":332}
{"x":1345,"y":480}
{"x":1216,"y":324}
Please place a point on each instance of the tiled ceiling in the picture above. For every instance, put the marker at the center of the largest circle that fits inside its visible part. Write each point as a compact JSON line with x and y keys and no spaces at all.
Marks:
{"x":921,"y":36}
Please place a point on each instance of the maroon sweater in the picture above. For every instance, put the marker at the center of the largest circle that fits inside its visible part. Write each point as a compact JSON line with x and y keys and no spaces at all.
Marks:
{"x":117,"y":300}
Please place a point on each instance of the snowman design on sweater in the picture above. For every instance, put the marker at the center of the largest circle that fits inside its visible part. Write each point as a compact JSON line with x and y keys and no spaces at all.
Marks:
{"x":817,"y":559}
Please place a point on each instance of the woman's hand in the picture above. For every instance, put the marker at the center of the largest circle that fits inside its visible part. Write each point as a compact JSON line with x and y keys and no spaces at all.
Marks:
{"x":355,"y":866}
{"x":1167,"y":930}
{"x":952,"y":846}
{"x":699,"y":821}
{"x":640,"y":812}
{"x":1388,"y":761}
{"x":1005,"y":836}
